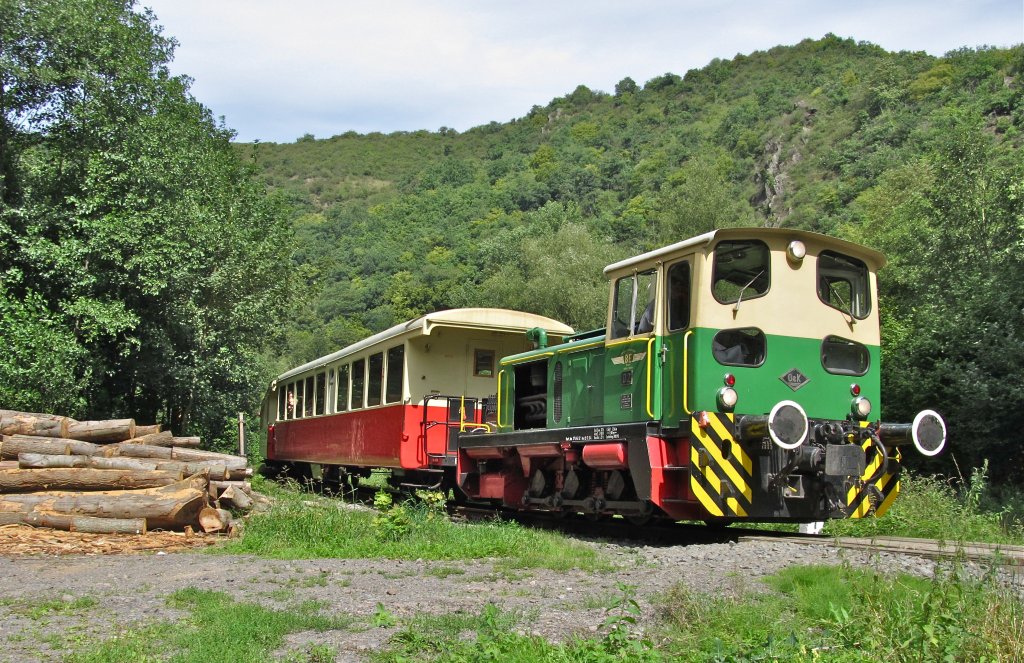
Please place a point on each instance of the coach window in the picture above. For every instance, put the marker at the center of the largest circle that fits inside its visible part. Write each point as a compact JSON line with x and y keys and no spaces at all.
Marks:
{"x":293,"y":401}
{"x":483,"y":363}
{"x":331,"y":390}
{"x":342,"y":403}
{"x":633,"y":311}
{"x":396,"y":374}
{"x":321,"y":392}
{"x":282,"y":401}
{"x":741,"y":271}
{"x":300,"y":399}
{"x":843,"y":284}
{"x":307,"y":410}
{"x":358,"y":382}
{"x":679,"y":296}
{"x":375,"y":379}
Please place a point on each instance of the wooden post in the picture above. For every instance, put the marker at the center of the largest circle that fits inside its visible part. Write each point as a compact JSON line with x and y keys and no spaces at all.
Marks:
{"x":241,"y":433}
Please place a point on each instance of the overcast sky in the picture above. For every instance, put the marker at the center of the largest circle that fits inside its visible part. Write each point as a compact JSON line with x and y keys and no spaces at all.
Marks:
{"x":277,"y":70}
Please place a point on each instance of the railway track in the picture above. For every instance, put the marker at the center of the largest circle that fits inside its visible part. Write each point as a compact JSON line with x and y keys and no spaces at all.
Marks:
{"x":670,"y":533}
{"x":1001,"y":554}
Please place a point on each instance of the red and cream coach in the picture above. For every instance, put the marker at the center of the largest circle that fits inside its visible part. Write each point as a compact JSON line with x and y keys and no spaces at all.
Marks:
{"x":397,"y":399}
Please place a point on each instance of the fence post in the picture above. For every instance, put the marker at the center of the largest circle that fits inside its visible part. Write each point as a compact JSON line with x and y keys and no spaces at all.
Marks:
{"x":241,"y":433}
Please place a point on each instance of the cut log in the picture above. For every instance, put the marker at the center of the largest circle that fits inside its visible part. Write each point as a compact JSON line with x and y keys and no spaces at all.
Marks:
{"x":237,"y":498}
{"x":176,"y":453}
{"x":189,"y":442}
{"x":169,"y":507}
{"x":164,"y":439}
{"x":31,"y":481}
{"x":40,"y":461}
{"x":26,"y":424}
{"x":87,"y":524}
{"x":12,"y":445}
{"x":113,"y":430}
{"x":214,"y":520}
{"x":35,"y":415}
{"x":141,"y":431}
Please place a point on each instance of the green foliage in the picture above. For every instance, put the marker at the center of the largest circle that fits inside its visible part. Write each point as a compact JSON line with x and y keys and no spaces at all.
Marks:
{"x":846,"y":614}
{"x":934,"y":508}
{"x":146,"y":257}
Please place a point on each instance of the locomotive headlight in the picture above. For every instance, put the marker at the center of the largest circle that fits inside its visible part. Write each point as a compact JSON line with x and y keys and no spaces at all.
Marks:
{"x":727,"y":398}
{"x":796,"y":251}
{"x":861,"y":407}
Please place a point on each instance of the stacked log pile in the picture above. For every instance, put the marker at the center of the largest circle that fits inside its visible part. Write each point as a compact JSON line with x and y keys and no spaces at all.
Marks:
{"x":114,"y":477}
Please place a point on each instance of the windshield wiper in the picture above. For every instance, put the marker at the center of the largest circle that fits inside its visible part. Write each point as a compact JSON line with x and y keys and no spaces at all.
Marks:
{"x":739,"y":297}
{"x":847,"y":308}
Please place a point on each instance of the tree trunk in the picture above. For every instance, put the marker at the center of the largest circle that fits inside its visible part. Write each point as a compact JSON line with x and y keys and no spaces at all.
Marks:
{"x":12,"y":445}
{"x":113,"y":430}
{"x":169,"y":507}
{"x":39,"y":461}
{"x":163,"y":439}
{"x":87,"y":524}
{"x":30,"y":481}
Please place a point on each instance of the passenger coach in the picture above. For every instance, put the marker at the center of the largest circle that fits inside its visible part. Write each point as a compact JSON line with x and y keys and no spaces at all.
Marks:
{"x":397,"y":399}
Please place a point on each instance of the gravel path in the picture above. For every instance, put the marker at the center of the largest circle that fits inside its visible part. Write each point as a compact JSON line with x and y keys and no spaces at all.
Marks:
{"x":131,"y":589}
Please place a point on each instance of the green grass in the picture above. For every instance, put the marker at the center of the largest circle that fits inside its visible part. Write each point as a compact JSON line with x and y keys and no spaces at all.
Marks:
{"x":304,"y":526}
{"x":41,"y":609}
{"x":217,"y":630}
{"x":844,"y":614}
{"x":933,"y":508}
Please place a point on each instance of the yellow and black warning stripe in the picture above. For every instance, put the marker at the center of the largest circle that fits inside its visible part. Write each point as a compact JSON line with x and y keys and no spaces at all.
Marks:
{"x":721,"y":471}
{"x":874,"y":498}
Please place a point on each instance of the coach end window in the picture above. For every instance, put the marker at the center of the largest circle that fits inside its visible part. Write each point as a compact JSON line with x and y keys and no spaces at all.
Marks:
{"x":843,"y":284}
{"x":742,"y":271}
{"x":483,"y":363}
{"x":396,"y":374}
{"x":358,"y":382}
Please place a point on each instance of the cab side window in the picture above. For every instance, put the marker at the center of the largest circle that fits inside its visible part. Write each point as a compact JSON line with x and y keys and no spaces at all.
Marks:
{"x":679,"y":296}
{"x":634,"y":305}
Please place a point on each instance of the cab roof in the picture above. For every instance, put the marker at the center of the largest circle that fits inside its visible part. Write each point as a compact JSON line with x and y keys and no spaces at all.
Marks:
{"x":874,"y":258}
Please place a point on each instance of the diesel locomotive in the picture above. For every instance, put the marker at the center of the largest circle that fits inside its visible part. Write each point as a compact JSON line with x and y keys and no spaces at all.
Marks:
{"x":736,"y":378}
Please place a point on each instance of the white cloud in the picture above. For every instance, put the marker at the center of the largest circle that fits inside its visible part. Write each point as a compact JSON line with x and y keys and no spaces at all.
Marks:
{"x":279,"y":70}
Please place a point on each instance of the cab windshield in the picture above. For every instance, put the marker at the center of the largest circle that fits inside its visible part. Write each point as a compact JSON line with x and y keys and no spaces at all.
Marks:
{"x":843,"y":284}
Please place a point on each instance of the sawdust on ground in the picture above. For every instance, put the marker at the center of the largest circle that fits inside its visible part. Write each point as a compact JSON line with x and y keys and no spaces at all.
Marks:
{"x":20,"y":540}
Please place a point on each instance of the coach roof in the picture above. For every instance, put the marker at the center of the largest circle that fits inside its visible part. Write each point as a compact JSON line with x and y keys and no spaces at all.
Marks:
{"x":486,"y":319}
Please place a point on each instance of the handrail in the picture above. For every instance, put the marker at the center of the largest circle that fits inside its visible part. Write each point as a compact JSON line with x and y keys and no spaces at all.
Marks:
{"x":650,"y":343}
{"x":686,"y":370}
{"x":500,"y":373}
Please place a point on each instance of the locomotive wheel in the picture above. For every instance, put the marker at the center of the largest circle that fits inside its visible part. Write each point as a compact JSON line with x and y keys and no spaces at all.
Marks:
{"x":642,"y":518}
{"x":718,"y":523}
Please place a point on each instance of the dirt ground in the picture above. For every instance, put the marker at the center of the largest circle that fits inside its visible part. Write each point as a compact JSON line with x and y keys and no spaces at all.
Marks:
{"x":126,"y":579}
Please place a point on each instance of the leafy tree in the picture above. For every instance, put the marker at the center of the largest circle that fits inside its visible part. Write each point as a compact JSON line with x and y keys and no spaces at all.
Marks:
{"x":136,"y":238}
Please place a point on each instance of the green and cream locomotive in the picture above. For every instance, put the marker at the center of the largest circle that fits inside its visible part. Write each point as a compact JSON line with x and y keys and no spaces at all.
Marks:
{"x":737,"y":378}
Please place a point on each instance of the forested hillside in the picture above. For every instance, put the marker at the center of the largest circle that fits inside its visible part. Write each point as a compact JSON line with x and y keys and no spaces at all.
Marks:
{"x":915,"y":155}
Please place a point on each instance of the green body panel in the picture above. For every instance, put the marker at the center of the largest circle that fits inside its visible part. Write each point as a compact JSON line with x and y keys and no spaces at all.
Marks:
{"x":823,"y":396}
{"x":609,"y":385}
